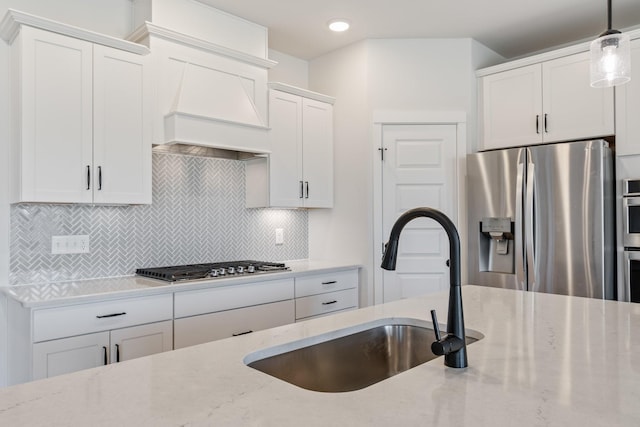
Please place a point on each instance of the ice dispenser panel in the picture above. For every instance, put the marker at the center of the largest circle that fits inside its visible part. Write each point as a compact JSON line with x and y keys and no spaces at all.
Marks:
{"x":496,"y":245}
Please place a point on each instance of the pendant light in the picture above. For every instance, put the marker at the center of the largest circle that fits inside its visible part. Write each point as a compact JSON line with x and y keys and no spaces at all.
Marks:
{"x":610,"y":57}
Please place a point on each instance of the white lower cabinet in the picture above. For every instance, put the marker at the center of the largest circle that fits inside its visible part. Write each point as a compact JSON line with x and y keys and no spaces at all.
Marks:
{"x":75,"y":337}
{"x":321,"y":294}
{"x":214,"y":326}
{"x":57,"y":357}
{"x":211,"y":314}
{"x":65,"y":355}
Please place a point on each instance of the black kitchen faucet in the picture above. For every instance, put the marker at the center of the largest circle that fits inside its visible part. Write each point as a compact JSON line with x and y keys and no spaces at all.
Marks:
{"x":453,"y":346}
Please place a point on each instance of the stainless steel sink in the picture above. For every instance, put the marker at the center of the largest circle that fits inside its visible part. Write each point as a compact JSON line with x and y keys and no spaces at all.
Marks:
{"x":353,"y":358}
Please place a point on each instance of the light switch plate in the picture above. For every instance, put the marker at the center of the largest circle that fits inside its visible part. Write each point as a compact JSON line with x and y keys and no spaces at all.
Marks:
{"x":74,"y":244}
{"x":279,"y":236}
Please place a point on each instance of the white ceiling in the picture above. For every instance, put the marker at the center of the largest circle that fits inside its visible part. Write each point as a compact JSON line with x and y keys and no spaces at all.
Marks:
{"x":511,"y":28}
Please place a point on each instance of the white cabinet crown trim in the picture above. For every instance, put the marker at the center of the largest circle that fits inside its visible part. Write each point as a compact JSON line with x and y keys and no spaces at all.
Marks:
{"x":10,"y":26}
{"x":150,"y":29}
{"x":545,"y":56}
{"x":302,"y":92}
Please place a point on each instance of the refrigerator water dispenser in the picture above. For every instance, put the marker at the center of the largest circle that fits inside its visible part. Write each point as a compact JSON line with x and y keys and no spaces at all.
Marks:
{"x":496,"y":245}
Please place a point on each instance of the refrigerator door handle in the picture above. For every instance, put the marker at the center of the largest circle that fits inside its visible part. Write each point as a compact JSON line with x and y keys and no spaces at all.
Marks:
{"x":519,"y":251}
{"x":528,"y":227}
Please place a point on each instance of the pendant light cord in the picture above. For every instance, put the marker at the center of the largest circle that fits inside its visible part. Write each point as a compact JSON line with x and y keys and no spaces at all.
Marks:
{"x":609,"y":21}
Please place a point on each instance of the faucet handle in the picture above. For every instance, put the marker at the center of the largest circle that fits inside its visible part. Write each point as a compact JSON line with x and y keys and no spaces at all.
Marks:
{"x":436,"y":328}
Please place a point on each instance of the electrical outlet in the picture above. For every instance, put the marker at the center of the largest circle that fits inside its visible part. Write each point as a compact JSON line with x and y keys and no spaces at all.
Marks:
{"x":78,"y":244}
{"x":279,"y":236}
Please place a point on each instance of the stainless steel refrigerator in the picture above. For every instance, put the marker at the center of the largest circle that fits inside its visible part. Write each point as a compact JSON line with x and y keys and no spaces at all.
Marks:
{"x":541,"y":218}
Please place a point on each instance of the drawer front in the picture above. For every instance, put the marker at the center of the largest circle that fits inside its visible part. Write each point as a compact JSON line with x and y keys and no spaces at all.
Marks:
{"x":192,"y":303}
{"x":326,"y":303}
{"x":329,"y":282}
{"x":214,"y":326}
{"x":81,"y":319}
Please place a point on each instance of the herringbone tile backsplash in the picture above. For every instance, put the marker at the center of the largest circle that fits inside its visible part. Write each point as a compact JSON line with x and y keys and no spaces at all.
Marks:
{"x":197,"y":215}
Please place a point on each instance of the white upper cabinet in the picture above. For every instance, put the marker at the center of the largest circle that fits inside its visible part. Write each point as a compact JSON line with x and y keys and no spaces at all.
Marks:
{"x":121,"y":127}
{"x":628,"y":108}
{"x":546,"y":102}
{"x":81,"y":132}
{"x":299,"y":170}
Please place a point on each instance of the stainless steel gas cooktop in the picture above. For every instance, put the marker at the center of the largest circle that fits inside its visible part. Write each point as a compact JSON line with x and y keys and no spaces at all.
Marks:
{"x":181,"y":273}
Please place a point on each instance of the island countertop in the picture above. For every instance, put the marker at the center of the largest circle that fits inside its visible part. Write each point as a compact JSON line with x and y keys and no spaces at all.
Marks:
{"x":545,"y":360}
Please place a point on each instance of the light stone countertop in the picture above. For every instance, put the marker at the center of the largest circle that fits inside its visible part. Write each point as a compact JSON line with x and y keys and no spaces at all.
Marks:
{"x":92,"y":290}
{"x":545,"y":360}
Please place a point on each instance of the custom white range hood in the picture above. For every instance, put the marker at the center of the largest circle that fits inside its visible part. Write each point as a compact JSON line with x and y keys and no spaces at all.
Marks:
{"x":210,"y":75}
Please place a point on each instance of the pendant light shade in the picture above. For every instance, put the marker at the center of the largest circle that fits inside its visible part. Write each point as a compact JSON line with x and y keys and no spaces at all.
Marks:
{"x":610,"y":57}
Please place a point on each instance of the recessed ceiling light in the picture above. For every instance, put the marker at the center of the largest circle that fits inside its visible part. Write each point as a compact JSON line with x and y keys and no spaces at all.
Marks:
{"x":338,"y":25}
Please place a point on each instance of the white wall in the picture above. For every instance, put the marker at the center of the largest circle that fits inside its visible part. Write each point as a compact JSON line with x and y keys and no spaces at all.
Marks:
{"x":290,"y":70}
{"x":389,"y":74}
{"x":112,"y":17}
{"x":344,"y":232}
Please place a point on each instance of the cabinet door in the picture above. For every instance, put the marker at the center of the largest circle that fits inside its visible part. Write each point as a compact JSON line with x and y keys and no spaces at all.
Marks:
{"x":56,"y":109}
{"x":214,"y":326}
{"x":121,"y":128}
{"x":317,"y":153}
{"x":139,"y":341}
{"x":512,"y":108}
{"x":573,"y":109}
{"x":628,"y":108}
{"x":285,"y":138}
{"x":67,"y":355}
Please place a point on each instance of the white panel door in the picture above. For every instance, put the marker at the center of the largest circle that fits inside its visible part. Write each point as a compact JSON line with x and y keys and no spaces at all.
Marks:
{"x":419,"y":170}
{"x":62,"y":356}
{"x":56,"y":118}
{"x":317,"y":152}
{"x":121,"y":128}
{"x":572,"y":108}
{"x":139,"y":341}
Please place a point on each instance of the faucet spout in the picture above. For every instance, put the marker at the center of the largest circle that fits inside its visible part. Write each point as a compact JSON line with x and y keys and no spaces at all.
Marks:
{"x":455,"y":355}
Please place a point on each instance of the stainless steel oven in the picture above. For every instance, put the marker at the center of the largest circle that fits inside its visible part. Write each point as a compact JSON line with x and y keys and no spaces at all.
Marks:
{"x":631,"y":213}
{"x":631,"y":238}
{"x":632,"y":274}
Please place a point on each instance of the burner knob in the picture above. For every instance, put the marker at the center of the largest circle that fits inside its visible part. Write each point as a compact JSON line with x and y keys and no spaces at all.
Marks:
{"x":251,"y":269}
{"x":222,"y":271}
{"x":213,"y":273}
{"x":231,"y":270}
{"x":240,"y":269}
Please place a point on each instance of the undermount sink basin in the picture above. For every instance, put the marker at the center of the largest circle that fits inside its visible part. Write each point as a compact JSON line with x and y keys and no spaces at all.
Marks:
{"x":353,"y":358}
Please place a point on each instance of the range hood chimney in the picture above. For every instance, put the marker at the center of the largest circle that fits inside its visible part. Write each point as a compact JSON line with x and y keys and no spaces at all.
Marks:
{"x":215,"y":109}
{"x":210,"y":75}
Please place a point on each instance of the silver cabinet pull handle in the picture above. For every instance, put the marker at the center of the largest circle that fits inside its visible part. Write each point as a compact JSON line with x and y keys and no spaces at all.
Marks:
{"x":102,"y":316}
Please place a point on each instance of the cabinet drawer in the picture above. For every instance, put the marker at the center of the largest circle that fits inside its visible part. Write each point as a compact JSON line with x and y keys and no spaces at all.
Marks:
{"x":81,"y":319}
{"x":191,"y":303}
{"x":214,"y":326}
{"x":326,"y":303}
{"x":321,"y":283}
